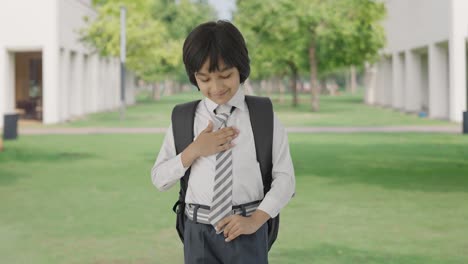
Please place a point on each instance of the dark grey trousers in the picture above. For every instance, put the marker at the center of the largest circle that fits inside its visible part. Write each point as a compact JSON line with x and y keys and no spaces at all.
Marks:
{"x":203,"y":245}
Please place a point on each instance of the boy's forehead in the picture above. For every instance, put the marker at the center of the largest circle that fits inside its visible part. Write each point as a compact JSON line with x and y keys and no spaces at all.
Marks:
{"x":206,"y":66}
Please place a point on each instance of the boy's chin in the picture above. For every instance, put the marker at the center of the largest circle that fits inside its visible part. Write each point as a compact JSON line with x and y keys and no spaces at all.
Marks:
{"x":221,"y":101}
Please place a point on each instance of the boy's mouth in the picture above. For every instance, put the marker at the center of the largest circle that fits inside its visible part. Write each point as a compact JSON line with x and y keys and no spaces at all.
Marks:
{"x":220,"y":94}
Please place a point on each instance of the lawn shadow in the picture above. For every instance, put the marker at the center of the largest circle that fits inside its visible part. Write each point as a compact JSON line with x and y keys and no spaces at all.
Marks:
{"x":15,"y":156}
{"x":421,"y":167}
{"x":40,"y":155}
{"x":9,"y":176}
{"x":327,"y":253}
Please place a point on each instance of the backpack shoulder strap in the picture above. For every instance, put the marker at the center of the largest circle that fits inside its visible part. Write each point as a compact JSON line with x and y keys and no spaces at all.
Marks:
{"x":261,"y":120}
{"x":183,"y":116}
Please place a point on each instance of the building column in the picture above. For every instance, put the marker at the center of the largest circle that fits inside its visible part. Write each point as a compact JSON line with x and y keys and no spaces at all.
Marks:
{"x":78,"y":85}
{"x":51,"y":84}
{"x":380,"y":82}
{"x":398,"y":80}
{"x":424,"y":81}
{"x":438,"y":82}
{"x":94,"y":82}
{"x":72,"y":85}
{"x":3,"y":82}
{"x":457,"y":60}
{"x":64,"y":106}
{"x":7,"y":83}
{"x":85,"y":85}
{"x":370,"y":83}
{"x":388,"y":82}
{"x":413,"y":86}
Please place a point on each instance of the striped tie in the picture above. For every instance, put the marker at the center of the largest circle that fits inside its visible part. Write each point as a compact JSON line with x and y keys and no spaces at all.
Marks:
{"x":221,"y":205}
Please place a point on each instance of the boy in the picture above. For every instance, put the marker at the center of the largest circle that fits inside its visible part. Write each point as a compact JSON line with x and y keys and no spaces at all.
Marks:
{"x":222,"y":158}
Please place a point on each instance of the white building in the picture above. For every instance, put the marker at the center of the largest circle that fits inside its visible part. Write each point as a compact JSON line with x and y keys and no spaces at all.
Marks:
{"x":46,"y":73}
{"x":423,"y":67}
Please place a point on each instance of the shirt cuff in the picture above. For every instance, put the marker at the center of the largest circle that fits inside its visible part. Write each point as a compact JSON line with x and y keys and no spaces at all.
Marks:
{"x":179,"y":166}
{"x":270,"y":206}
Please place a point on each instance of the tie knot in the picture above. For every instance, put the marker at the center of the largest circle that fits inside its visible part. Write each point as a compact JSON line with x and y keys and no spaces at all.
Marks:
{"x":223,"y":117}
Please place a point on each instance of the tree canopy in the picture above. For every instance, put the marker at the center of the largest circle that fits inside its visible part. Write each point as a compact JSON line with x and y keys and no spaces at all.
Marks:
{"x":314,"y":36}
{"x":156,"y":30}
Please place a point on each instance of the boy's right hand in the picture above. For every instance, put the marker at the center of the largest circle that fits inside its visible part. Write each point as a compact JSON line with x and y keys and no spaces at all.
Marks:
{"x":209,"y":142}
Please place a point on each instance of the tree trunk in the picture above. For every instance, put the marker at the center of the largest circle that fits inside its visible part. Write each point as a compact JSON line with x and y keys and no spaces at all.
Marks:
{"x":274,"y":83}
{"x":348,"y":81}
{"x":281,"y":91}
{"x":257,"y":88}
{"x":269,"y":86}
{"x":301,"y":86}
{"x":156,"y":95}
{"x":168,"y":87}
{"x":353,"y":80}
{"x":293,"y":83}
{"x":314,"y":88}
{"x":263,"y":86}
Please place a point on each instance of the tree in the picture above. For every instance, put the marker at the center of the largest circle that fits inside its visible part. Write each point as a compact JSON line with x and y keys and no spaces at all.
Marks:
{"x":155,"y":33}
{"x":341,"y":33}
{"x":272,"y":35}
{"x":329,"y":34}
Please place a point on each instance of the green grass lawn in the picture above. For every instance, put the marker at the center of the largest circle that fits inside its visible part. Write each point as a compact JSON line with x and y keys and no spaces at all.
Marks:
{"x":360,"y":198}
{"x":343,"y":110}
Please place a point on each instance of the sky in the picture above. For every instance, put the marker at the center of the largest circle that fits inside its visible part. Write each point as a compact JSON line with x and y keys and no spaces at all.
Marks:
{"x":224,"y":8}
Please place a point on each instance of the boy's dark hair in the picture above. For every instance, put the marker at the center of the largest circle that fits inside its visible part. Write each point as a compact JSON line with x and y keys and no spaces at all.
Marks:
{"x":215,"y":40}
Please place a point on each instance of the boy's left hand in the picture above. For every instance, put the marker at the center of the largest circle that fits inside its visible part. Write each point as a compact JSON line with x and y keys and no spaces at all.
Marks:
{"x":236,"y":225}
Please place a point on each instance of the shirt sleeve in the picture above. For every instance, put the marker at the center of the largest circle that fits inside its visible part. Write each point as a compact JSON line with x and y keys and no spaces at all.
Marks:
{"x":284,"y":183}
{"x":168,"y":168}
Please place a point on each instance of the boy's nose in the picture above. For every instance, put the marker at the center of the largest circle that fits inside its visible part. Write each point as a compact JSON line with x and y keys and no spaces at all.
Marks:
{"x":217,"y":85}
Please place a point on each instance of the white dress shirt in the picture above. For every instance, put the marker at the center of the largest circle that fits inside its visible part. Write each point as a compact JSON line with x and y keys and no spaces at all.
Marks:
{"x":247,"y":177}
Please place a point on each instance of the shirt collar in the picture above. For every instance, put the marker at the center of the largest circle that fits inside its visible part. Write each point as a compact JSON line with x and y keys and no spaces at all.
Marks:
{"x":237,"y":100}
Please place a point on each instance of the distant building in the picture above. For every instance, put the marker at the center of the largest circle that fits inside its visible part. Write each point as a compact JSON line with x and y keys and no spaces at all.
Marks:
{"x":423,"y":67}
{"x":46,"y":73}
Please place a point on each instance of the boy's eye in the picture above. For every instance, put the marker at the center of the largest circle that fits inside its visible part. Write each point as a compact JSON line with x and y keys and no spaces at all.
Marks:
{"x":225,"y":77}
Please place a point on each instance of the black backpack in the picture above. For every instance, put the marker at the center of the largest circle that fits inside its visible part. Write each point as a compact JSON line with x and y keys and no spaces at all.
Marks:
{"x":261,"y":119}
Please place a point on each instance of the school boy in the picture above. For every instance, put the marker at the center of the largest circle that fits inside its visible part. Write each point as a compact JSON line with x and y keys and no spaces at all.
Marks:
{"x":226,"y":208}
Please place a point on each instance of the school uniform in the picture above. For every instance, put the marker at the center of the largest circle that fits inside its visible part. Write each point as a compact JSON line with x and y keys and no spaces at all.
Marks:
{"x":202,"y":244}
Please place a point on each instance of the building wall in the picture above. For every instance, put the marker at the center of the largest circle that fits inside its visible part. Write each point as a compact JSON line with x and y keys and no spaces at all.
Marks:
{"x":25,"y":25}
{"x":76,"y":81}
{"x":98,"y":78}
{"x":427,"y":40}
{"x":415,"y":23}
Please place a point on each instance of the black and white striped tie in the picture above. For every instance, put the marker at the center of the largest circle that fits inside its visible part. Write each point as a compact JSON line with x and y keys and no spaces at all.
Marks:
{"x":221,"y":205}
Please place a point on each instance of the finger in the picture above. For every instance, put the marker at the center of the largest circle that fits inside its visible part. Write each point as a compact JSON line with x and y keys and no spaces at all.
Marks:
{"x":223,"y":132}
{"x":228,"y":131}
{"x":223,"y":222}
{"x":222,"y":142}
{"x":209,"y":128}
{"x":227,"y":229}
{"x":225,"y":147}
{"x":228,"y":139}
{"x":233,"y":235}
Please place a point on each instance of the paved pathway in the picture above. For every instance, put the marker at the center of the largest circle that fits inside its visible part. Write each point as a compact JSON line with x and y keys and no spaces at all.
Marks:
{"x":143,"y":130}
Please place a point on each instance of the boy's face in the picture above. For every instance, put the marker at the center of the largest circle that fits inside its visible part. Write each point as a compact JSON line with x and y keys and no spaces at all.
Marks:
{"x":219,"y":86}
